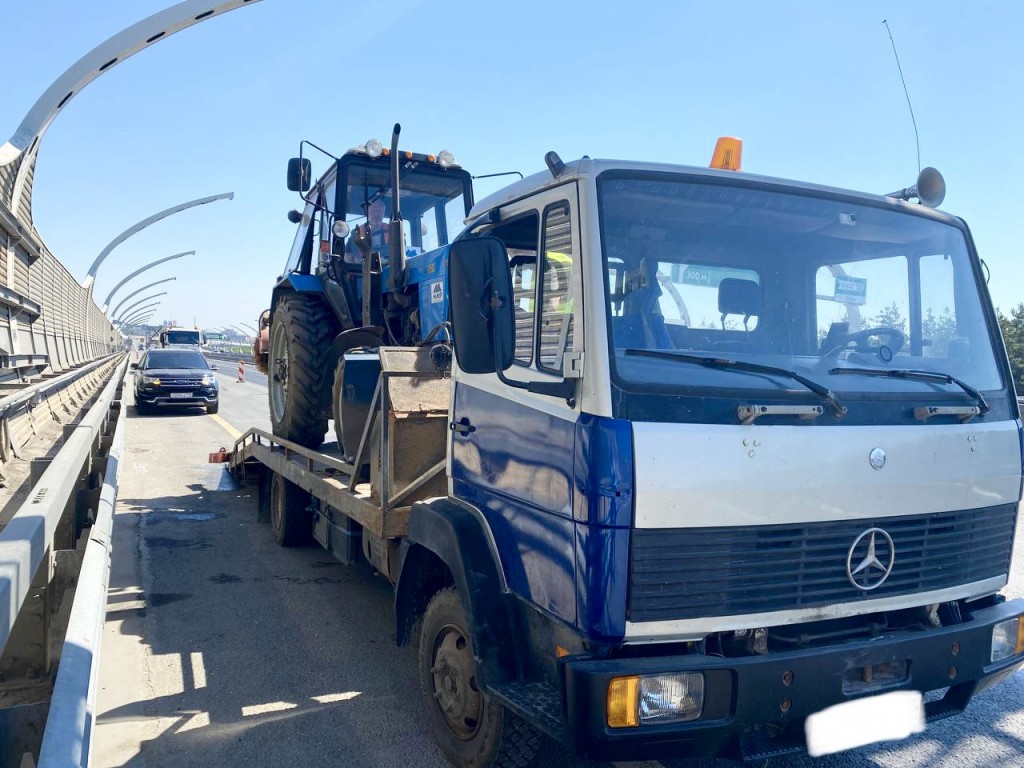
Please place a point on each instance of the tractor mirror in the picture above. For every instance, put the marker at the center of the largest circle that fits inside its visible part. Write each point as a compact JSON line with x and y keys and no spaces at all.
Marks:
{"x":482,"y":312}
{"x":299,"y":174}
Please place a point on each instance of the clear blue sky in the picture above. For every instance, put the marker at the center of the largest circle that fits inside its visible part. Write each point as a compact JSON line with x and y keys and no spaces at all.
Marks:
{"x":811,"y":87}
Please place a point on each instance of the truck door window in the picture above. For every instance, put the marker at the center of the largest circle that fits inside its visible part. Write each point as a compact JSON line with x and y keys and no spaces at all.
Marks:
{"x":555,"y":289}
{"x":524,"y":296}
{"x":520,"y":236}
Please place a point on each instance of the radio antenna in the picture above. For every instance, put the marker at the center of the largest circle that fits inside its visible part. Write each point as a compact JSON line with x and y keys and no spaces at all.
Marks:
{"x":917,"y":140}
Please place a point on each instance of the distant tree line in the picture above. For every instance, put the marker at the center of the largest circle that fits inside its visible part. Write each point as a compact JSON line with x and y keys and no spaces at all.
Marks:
{"x":1013,"y":335}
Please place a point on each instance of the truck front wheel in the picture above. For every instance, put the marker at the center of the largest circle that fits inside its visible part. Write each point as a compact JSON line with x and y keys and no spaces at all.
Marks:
{"x":298,"y":386}
{"x":472,"y":730}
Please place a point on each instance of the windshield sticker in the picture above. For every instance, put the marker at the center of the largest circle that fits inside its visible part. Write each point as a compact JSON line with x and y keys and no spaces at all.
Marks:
{"x":851,"y":290}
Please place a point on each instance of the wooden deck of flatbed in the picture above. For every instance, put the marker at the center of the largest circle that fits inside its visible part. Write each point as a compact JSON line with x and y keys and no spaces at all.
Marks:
{"x":323,"y":474}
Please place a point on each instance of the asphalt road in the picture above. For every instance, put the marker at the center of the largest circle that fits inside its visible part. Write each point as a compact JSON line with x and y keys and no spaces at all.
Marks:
{"x":223,"y":649}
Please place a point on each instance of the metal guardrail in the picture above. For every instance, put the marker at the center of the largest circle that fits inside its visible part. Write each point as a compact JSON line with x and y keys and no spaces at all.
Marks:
{"x":14,"y":408}
{"x":27,"y":538}
{"x":30,"y":394}
{"x":45,"y":525}
{"x":67,"y":740}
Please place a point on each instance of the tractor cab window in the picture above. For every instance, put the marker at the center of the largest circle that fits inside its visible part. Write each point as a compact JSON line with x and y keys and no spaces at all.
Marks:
{"x":433,"y":202}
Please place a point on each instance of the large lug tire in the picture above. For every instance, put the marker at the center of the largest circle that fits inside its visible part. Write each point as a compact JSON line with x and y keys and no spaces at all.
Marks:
{"x":472,"y":730}
{"x":289,"y":513}
{"x":298,"y":382}
{"x":354,"y":339}
{"x":336,"y":407}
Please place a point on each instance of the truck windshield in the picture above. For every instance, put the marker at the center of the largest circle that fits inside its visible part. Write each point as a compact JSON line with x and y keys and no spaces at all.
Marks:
{"x":810,"y":284}
{"x":183,"y":337}
{"x":435,"y":202}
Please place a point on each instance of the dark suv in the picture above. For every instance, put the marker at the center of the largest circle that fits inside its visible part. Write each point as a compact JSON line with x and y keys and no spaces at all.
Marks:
{"x":175,"y":377}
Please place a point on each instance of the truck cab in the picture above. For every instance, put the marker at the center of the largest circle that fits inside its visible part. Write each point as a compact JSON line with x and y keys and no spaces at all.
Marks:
{"x":176,"y":336}
{"x":725,"y":451}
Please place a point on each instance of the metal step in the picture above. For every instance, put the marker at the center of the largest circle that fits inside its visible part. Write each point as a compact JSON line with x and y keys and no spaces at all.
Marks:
{"x":761,"y":744}
{"x":540,"y":704}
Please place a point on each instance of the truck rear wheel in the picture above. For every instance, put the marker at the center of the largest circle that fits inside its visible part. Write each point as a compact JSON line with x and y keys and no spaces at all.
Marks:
{"x":472,"y":731}
{"x":289,"y":513}
{"x":300,"y":346}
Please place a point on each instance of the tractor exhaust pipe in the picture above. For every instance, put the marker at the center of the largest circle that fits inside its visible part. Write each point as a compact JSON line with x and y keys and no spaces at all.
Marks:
{"x":397,"y":238}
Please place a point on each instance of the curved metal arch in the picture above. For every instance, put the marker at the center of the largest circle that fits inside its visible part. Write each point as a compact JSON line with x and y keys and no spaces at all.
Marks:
{"x":144,"y":319}
{"x":138,"y":272}
{"x":140,"y":312}
{"x":128,"y":310}
{"x":104,"y":57}
{"x":141,"y":225}
{"x":146,"y":315}
{"x":113,"y":312}
{"x":142,"y":309}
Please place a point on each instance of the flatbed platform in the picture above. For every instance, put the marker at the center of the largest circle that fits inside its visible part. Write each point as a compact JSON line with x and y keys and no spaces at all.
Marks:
{"x":323,"y":473}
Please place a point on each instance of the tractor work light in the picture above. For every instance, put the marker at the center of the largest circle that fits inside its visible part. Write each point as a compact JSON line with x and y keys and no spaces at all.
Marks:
{"x":340,"y":229}
{"x":373,"y":148}
{"x":1007,"y":638}
{"x":654,"y":699}
{"x":445,"y":159}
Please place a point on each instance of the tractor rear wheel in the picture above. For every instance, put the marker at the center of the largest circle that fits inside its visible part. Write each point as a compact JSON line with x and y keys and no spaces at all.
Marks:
{"x":298,"y":381}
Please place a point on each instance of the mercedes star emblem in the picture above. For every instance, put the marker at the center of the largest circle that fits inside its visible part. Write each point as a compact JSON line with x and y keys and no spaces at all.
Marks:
{"x":874,"y":553}
{"x":876,"y":458}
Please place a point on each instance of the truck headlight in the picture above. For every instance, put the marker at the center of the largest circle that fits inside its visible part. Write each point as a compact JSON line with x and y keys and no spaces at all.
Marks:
{"x":208,"y":378}
{"x":653,"y":699}
{"x":1007,"y":638}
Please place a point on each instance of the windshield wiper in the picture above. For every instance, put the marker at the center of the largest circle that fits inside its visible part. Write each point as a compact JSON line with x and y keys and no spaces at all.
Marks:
{"x":738,"y":365}
{"x":914,"y":375}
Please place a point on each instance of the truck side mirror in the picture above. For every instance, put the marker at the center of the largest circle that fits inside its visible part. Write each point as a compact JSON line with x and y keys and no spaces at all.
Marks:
{"x":299,"y":174}
{"x":480,"y":295}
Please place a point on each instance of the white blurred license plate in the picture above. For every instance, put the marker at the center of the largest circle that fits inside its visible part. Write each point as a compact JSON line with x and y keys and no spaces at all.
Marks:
{"x":180,"y":395}
{"x":856,"y":723}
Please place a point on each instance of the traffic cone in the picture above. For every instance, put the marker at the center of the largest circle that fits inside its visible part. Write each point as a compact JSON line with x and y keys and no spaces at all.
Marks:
{"x":241,"y":372}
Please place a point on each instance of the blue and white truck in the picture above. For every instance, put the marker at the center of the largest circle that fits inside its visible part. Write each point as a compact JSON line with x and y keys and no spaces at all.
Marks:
{"x":661,"y":460}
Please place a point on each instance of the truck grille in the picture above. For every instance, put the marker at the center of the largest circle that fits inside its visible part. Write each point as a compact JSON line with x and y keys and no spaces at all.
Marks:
{"x":684,"y":573}
{"x":180,"y":382}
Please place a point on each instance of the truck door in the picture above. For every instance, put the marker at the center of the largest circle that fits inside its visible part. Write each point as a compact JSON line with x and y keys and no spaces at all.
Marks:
{"x":512,"y":450}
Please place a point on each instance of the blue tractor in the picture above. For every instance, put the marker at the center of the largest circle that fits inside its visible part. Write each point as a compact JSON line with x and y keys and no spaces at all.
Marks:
{"x":366,"y":269}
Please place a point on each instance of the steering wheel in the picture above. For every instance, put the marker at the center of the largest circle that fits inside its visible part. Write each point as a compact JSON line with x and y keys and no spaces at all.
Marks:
{"x":895,"y":339}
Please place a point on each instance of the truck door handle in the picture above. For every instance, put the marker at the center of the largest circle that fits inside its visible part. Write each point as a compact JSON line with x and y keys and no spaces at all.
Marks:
{"x":462,"y":426}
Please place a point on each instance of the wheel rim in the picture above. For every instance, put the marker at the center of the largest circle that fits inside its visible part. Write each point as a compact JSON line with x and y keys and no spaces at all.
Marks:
{"x":278,"y":370}
{"x":453,"y":672}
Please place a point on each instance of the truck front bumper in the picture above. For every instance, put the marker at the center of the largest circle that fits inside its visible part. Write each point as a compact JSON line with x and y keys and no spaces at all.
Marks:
{"x":754,"y":706}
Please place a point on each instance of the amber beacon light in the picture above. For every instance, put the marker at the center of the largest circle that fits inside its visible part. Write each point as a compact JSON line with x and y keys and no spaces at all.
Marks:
{"x":728,"y":154}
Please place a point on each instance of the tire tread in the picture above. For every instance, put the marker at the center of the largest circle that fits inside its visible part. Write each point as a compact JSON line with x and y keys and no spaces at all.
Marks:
{"x":310,"y":327}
